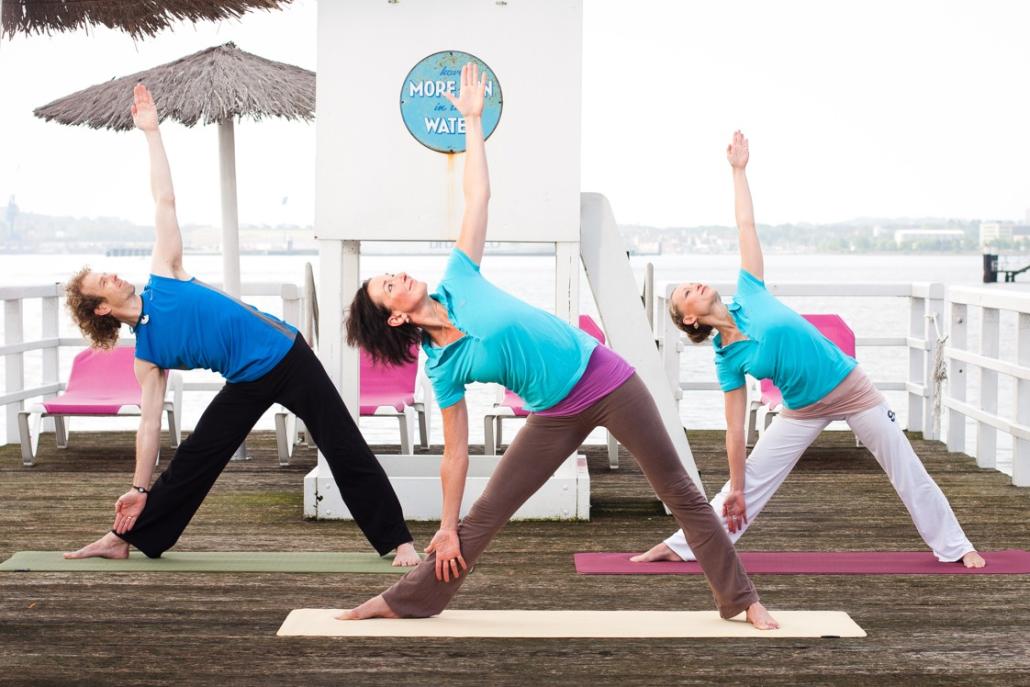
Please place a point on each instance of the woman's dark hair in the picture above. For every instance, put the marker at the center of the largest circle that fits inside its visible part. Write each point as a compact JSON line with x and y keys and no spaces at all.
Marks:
{"x":368,"y":328}
{"x":697,"y":332}
{"x":100,"y":330}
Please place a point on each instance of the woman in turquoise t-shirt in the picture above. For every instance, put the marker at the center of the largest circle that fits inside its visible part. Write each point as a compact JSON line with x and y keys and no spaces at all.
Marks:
{"x":758,"y":335}
{"x":472,"y":331}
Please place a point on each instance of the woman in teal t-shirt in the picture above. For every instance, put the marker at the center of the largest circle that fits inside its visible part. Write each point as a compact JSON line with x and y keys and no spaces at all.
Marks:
{"x":758,"y":335}
{"x":472,"y":331}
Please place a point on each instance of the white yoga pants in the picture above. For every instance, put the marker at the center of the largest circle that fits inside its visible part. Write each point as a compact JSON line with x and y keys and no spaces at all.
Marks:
{"x":780,"y":447}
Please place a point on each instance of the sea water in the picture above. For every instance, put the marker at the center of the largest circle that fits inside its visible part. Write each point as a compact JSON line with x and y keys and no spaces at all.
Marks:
{"x":531,"y":277}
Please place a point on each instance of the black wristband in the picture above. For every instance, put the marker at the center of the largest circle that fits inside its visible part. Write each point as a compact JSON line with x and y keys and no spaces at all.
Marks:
{"x":141,"y":490}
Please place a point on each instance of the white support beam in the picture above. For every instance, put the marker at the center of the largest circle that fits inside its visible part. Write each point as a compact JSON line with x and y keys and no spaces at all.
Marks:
{"x":1021,"y":446}
{"x":986,"y":435}
{"x":957,"y":378}
{"x":933,"y":321}
{"x":335,"y":270}
{"x":618,"y":300}
{"x":566,"y":281}
{"x":51,"y":356}
{"x":14,"y":368}
{"x":916,"y":360}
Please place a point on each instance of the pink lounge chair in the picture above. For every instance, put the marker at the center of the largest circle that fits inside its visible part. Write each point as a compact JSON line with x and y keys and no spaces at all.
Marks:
{"x":386,"y":391}
{"x":510,"y":406}
{"x":834,"y":328}
{"x":101,"y":384}
{"x":389,"y":390}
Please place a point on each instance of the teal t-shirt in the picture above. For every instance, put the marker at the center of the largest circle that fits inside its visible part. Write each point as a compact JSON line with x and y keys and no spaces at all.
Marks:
{"x":781,"y":345}
{"x":531,"y":352}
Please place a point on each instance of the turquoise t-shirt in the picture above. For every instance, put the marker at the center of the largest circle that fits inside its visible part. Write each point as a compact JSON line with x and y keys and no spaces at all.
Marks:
{"x":531,"y":352}
{"x":781,"y":346}
{"x":187,"y":325}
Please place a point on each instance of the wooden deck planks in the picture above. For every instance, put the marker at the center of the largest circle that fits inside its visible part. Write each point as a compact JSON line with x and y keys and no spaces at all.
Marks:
{"x":219,"y":629}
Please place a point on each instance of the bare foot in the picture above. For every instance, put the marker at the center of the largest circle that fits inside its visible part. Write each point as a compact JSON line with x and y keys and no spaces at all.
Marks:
{"x":108,"y":546}
{"x":373,"y":608}
{"x":973,"y":560}
{"x":758,"y":616}
{"x":406,"y":556}
{"x":660,"y":552}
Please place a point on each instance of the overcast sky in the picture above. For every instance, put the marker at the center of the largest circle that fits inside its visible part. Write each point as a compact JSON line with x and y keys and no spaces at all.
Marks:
{"x":878,"y":108}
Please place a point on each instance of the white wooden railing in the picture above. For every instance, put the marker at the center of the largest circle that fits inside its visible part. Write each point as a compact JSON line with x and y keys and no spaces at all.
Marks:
{"x":993,"y":303}
{"x":933,"y":342}
{"x":14,"y":347}
{"x":933,"y":346}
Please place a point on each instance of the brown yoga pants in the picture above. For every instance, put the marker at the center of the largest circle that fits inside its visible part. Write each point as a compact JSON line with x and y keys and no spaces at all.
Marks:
{"x":631,"y":415}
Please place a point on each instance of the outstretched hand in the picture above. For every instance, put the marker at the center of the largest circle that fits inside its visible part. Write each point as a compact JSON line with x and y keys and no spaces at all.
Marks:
{"x":144,"y":111}
{"x":473,"y":85}
{"x":737,"y":151}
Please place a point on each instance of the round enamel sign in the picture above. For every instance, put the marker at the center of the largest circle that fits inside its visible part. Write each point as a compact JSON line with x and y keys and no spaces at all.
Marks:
{"x":429,"y":116}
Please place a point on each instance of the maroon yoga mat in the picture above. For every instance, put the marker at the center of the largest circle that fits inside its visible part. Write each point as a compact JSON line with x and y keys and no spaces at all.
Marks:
{"x":1007,"y":562}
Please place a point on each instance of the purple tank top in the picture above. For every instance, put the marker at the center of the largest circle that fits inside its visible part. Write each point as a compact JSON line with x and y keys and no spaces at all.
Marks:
{"x":605,"y":373}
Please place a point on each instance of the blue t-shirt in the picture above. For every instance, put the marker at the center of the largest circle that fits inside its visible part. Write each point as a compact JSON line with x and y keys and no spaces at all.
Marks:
{"x":781,"y":345}
{"x":535,"y":354}
{"x":186,"y":325}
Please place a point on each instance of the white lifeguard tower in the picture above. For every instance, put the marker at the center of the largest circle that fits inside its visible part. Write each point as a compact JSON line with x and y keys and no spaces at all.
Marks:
{"x":380,"y":178}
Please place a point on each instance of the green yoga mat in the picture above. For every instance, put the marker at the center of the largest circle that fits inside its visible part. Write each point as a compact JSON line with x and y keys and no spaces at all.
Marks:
{"x":215,"y":561}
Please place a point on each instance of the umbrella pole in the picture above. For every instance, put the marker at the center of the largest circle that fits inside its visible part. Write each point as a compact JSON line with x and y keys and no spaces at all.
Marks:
{"x":230,"y":216}
{"x":230,"y":223}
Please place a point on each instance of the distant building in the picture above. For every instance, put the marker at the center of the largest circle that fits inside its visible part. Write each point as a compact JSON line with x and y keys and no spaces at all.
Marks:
{"x":1021,"y":232}
{"x":992,"y":232}
{"x":904,"y":237}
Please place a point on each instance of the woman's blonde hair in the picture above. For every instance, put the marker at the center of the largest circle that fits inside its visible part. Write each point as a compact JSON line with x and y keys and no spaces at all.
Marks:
{"x":697,"y":332}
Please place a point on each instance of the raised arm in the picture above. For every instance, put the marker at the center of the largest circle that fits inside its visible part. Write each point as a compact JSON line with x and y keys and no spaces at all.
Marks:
{"x":750,"y":248}
{"x":476,"y":184}
{"x":734,"y":509}
{"x":167,"y":257}
{"x":148,"y":441}
{"x":453,"y":470}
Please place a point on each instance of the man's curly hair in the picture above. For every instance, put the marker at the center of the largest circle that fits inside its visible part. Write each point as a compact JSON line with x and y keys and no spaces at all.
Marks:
{"x":100,"y":330}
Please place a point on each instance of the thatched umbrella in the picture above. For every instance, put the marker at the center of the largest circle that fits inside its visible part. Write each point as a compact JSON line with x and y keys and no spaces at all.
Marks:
{"x":213,"y":86}
{"x":137,"y":17}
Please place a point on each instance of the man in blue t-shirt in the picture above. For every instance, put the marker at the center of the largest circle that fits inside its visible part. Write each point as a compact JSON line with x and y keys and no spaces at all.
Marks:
{"x":182,"y":323}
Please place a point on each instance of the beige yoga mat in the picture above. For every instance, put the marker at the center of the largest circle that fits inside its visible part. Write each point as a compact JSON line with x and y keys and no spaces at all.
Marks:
{"x":320,"y":622}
